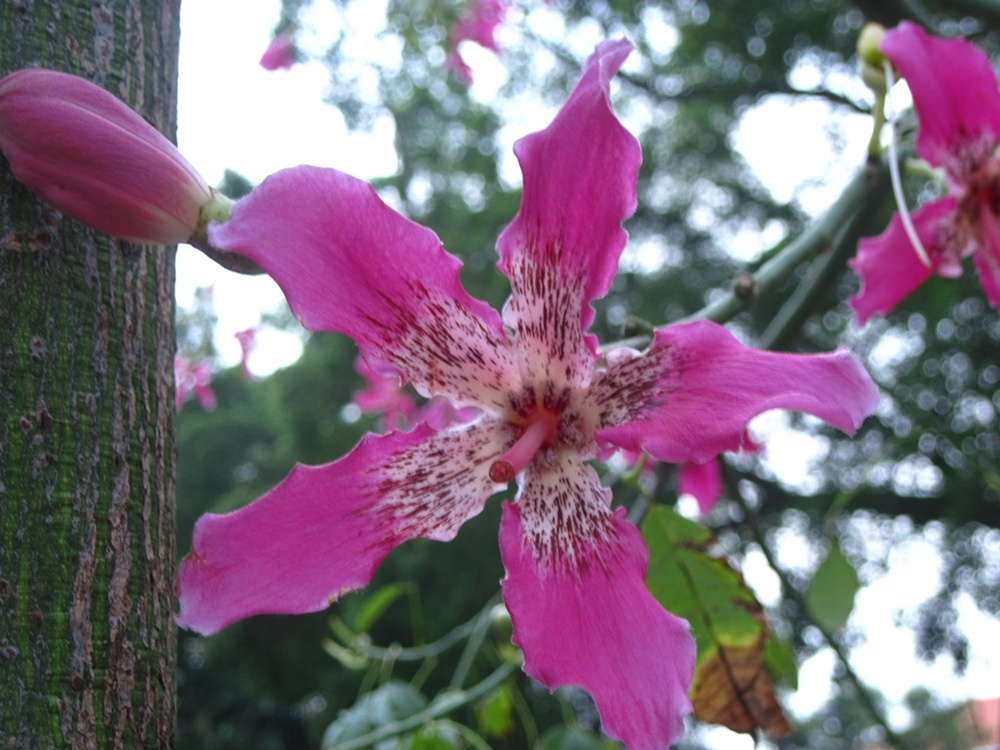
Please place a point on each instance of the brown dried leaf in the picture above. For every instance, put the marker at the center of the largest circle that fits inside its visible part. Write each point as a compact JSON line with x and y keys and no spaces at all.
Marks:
{"x":733,"y":689}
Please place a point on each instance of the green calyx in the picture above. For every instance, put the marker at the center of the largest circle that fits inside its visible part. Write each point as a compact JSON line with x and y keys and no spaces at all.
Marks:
{"x":218,"y":209}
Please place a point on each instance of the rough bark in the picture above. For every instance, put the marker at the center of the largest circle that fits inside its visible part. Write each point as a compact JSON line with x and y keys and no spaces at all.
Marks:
{"x":87,"y":449}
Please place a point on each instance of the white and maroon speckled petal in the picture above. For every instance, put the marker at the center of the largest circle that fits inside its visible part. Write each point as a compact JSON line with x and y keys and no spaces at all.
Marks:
{"x":347,"y":262}
{"x":576,"y":592}
{"x":562,"y":248}
{"x":690,"y":396}
{"x":325,"y":529}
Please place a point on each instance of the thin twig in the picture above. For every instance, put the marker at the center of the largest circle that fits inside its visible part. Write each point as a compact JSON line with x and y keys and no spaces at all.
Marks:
{"x":418,"y":653}
{"x":481,"y":625}
{"x":444,"y":704}
{"x":789,"y":591}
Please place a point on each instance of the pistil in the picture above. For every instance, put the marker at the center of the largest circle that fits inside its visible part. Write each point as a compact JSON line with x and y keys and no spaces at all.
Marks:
{"x":514,"y":461}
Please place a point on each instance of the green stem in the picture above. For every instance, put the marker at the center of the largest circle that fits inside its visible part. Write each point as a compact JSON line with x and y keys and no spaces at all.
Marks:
{"x":473,"y":739}
{"x":419,"y":653}
{"x":878,"y":116}
{"x":480,"y":628}
{"x":218,"y":210}
{"x":440,"y":706}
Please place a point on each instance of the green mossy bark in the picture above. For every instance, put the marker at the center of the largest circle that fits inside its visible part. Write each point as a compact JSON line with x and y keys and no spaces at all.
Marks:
{"x":87,"y":448}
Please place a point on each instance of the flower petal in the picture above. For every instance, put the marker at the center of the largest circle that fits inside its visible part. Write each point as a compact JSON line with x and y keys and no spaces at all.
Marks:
{"x":590,"y":620}
{"x":987,"y":255}
{"x":384,"y":396}
{"x":478,"y":24}
{"x":954,"y":92}
{"x":281,"y":53}
{"x":347,"y":262}
{"x":324,"y":530}
{"x":702,"y":482}
{"x":690,"y":396}
{"x":888,"y":264}
{"x":562,"y":248}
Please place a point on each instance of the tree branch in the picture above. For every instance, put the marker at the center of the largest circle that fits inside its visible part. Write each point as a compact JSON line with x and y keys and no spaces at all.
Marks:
{"x":819,"y":238}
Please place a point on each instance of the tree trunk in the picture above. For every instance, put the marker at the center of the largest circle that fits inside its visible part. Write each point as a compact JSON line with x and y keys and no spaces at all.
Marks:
{"x":87,"y":448}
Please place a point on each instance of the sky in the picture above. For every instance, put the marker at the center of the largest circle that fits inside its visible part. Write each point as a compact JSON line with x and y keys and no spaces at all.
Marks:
{"x":235,"y":115}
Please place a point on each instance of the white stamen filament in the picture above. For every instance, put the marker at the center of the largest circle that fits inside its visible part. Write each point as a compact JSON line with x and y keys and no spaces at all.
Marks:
{"x":897,"y":183}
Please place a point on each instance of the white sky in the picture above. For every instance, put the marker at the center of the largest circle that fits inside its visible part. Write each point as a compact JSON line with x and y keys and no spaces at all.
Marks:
{"x":235,"y":115}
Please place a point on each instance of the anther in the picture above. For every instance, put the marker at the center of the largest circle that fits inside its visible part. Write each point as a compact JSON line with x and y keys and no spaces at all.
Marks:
{"x":501,"y":472}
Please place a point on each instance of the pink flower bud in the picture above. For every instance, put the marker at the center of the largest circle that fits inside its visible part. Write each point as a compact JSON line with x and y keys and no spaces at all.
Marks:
{"x":86,"y":153}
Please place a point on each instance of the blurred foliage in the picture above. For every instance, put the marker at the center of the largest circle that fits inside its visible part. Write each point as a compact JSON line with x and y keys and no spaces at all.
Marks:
{"x":928,"y":465}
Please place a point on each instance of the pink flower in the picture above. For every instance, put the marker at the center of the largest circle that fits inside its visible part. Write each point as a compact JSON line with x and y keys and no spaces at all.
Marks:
{"x":701,"y":481}
{"x":958,"y":106}
{"x":193,"y":379}
{"x":549,"y":403}
{"x":248,"y":339}
{"x":281,"y":54}
{"x":383,"y":395}
{"x":477,"y":25}
{"x":86,"y":153}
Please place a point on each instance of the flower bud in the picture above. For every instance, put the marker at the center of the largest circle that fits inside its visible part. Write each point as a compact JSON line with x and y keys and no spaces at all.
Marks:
{"x":86,"y":153}
{"x":871,"y":57}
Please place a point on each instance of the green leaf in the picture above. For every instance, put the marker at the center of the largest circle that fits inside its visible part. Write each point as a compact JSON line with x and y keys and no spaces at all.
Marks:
{"x":779,"y":661}
{"x":390,"y":702}
{"x":693,"y":584}
{"x":435,"y":738}
{"x":830,"y":596}
{"x":375,"y":604}
{"x":495,"y":713}
{"x":689,"y":578}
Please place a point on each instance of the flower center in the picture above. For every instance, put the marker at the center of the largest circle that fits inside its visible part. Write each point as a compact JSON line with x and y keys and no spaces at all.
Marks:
{"x":540,"y":429}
